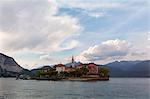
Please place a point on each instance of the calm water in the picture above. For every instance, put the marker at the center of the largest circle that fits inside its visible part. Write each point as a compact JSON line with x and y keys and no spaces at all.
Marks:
{"x":116,"y":88}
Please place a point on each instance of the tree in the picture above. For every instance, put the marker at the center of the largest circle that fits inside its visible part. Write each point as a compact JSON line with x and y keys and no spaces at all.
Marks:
{"x":104,"y":72}
{"x":38,"y":73}
{"x":84,"y":70}
{"x":72,"y":74}
{"x":78,"y":73}
{"x":50,"y":73}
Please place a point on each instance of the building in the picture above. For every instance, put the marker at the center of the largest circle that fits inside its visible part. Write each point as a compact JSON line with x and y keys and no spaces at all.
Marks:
{"x":69,"y":69}
{"x":72,"y":62}
{"x":59,"y":68}
{"x":80,"y":66}
{"x":92,"y":68}
{"x":46,"y":69}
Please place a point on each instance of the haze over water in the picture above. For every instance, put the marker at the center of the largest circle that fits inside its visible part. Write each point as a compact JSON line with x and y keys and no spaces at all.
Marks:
{"x":116,"y":88}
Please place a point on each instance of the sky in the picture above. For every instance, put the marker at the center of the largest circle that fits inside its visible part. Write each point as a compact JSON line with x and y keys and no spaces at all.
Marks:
{"x":46,"y":32}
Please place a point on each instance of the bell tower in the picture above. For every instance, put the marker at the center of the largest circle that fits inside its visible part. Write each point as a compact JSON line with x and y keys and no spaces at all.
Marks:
{"x":72,"y":60}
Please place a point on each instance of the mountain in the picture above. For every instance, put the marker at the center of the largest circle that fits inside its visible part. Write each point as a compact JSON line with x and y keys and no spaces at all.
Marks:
{"x":141,"y":69}
{"x":9,"y":67}
{"x":129,"y":68}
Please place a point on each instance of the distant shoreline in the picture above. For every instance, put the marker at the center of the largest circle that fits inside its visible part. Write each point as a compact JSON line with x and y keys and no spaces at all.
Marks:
{"x":109,"y":77}
{"x":75,"y":79}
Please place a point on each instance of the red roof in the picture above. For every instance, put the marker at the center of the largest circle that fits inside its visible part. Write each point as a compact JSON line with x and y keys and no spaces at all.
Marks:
{"x":59,"y":65}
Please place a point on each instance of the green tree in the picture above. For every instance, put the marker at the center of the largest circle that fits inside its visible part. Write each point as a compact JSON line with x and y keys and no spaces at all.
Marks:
{"x":72,"y":74}
{"x":84,"y":70}
{"x":104,"y":71}
{"x":38,"y":73}
{"x":78,"y":73}
{"x":50,"y":73}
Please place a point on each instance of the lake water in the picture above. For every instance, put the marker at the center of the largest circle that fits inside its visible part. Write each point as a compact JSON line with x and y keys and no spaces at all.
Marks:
{"x":116,"y":88}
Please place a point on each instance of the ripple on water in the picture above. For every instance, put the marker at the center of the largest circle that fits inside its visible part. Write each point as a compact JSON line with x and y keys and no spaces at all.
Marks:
{"x":116,"y":88}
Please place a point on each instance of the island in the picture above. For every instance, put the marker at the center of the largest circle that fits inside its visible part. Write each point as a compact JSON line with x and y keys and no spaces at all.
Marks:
{"x":71,"y":72}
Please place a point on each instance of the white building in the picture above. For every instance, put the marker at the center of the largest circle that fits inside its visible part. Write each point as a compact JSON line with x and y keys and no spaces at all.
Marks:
{"x":60,"y":68}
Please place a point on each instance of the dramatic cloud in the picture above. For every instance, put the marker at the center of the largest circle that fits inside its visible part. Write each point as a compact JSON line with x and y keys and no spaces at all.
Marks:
{"x":111,"y":49}
{"x":39,"y":32}
{"x":34,"y":25}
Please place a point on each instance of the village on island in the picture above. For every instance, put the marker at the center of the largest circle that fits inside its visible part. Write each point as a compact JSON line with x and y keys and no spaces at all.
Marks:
{"x":72,"y":71}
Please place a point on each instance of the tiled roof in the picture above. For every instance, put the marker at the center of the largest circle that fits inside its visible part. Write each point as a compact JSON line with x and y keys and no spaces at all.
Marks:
{"x":59,"y":65}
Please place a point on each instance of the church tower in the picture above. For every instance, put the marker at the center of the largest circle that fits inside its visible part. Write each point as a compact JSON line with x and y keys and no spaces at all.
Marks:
{"x":72,"y":62}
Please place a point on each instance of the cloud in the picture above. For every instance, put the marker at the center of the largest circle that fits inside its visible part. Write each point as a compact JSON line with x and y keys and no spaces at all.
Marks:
{"x":148,"y":36}
{"x":89,"y":4}
{"x":45,"y":57}
{"x":111,"y":49}
{"x":70,"y":45}
{"x":102,"y":4}
{"x":90,"y":8}
{"x":34,"y":25}
{"x":49,"y":59}
{"x":96,"y":15}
